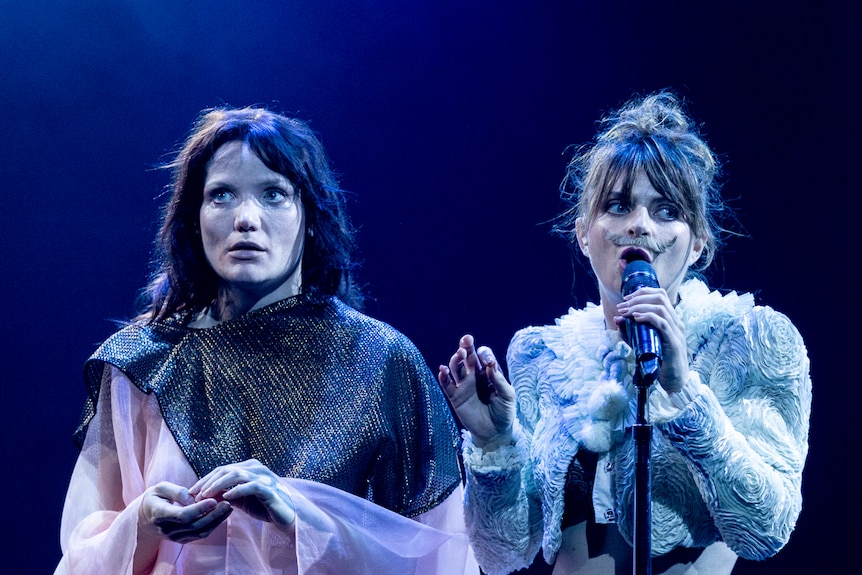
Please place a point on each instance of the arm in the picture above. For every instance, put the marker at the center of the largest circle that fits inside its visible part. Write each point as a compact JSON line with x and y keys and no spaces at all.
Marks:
{"x":503,"y":516}
{"x":100,"y":524}
{"x":101,"y":532}
{"x":504,"y":522}
{"x":745,"y":434}
{"x":126,"y":507}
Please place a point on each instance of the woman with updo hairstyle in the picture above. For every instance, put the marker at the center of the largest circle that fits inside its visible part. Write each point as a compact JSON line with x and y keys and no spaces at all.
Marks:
{"x":549,"y":457}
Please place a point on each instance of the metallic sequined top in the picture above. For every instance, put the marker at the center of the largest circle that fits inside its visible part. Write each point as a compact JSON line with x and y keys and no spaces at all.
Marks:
{"x":309,"y":386}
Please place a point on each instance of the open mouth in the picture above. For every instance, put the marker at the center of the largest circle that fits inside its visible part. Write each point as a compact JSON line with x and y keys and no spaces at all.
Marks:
{"x":632,"y":254}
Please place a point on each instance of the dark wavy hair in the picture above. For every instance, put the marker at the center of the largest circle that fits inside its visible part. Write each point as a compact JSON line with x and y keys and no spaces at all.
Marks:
{"x":653,"y":134}
{"x":183,"y":280}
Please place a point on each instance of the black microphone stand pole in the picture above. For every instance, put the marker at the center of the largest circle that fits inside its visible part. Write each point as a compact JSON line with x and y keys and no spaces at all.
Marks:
{"x":646,"y":344}
{"x":645,"y":374}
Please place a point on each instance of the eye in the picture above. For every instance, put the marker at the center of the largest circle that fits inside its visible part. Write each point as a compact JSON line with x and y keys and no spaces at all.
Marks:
{"x":275,"y":195}
{"x":667,"y":212}
{"x":218,"y":195}
{"x":616,"y":207}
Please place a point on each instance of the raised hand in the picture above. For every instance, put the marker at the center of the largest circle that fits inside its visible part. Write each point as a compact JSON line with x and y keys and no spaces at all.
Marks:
{"x":652,"y":306}
{"x":479,"y":393}
{"x":250,"y":486}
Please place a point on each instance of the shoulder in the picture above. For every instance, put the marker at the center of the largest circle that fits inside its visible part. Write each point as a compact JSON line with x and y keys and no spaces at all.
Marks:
{"x":774,"y":339}
{"x":704,"y":311}
{"x":578,"y":327}
{"x":771,"y":323}
{"x":735,"y":342}
{"x":549,"y":360}
{"x":709,"y":313}
{"x":358,"y":320}
{"x":374,"y":332}
{"x":138,"y":349}
{"x":139,"y":339}
{"x":527,"y":343}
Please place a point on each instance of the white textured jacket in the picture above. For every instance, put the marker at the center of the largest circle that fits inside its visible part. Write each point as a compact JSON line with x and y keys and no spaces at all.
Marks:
{"x":727,"y":451}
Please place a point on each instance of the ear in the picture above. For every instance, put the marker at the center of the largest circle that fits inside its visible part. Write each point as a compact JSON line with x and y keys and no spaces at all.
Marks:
{"x":581,"y":229}
{"x":696,"y":250}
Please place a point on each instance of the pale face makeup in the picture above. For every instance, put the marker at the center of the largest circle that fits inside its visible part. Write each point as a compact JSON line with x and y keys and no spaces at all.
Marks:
{"x":646,"y":226}
{"x":252,"y":226}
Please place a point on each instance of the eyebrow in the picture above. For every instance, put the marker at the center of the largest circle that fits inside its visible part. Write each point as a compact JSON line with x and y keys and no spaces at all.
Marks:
{"x":617,"y":195}
{"x":264,"y":181}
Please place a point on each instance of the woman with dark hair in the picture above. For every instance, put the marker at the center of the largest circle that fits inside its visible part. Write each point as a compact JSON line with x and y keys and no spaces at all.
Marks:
{"x":251,"y":419}
{"x":550,"y":458}
{"x":284,"y":145}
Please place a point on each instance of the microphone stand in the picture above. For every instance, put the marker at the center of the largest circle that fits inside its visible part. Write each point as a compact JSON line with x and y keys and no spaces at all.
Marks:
{"x":646,"y":344}
{"x":646,"y":373}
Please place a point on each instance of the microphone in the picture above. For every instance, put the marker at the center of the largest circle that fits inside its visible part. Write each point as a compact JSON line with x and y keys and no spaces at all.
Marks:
{"x":643,"y":339}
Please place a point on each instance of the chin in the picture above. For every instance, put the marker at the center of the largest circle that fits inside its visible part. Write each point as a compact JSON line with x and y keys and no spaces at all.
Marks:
{"x":245,"y":282}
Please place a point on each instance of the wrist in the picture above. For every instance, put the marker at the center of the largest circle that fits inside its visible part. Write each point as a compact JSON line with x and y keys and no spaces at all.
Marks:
{"x":499,"y":438}
{"x":493,"y":443}
{"x":674,"y":377}
{"x":665,"y":405}
{"x":500,"y":454}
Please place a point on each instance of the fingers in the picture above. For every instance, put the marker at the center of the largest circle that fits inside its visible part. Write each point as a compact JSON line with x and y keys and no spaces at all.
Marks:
{"x":485,"y":356}
{"x":250,"y":486}
{"x":466,"y":360}
{"x":652,"y":307}
{"x":466,"y":343}
{"x":457,"y":369}
{"x":472,"y":373}
{"x":173,"y":493}
{"x":192,"y":523}
{"x":467,"y":353}
{"x":182,"y":515}
{"x":498,"y":384}
{"x":489,"y":364}
{"x":647,"y":305}
{"x":444,"y":378}
{"x":645,"y":295}
{"x":219,"y":481}
{"x":264,"y":499}
{"x":170,"y":511}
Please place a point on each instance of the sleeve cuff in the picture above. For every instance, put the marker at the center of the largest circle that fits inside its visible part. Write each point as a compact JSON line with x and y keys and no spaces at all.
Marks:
{"x":503,"y":457}
{"x":665,"y":406}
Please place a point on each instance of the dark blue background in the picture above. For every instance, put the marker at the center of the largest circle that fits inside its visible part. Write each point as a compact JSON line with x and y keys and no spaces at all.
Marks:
{"x":449,"y":122}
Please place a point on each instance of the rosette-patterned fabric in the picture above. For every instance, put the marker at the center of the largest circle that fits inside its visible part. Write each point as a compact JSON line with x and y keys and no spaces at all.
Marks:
{"x":727,"y":451}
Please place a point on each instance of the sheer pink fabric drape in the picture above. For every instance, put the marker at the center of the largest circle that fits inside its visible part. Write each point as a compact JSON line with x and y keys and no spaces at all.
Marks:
{"x":129,"y":448}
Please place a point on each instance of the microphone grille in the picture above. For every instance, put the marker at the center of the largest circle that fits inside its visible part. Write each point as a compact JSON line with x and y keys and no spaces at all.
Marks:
{"x":638,"y":274}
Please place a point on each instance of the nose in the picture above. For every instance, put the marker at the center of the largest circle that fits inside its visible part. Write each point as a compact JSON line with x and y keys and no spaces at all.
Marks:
{"x":247,"y":216}
{"x":639,"y":222}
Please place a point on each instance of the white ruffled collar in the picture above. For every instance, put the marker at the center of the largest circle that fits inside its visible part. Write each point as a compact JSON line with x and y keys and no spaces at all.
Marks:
{"x":593,"y":383}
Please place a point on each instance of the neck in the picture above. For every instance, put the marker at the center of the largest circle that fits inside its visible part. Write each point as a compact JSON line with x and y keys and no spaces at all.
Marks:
{"x":233,"y":302}
{"x":609,"y":301}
